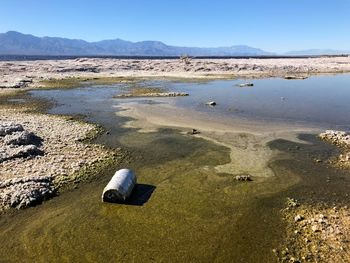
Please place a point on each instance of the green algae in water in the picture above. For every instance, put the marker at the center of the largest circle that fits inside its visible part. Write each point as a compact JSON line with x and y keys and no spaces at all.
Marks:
{"x":193,"y":214}
{"x":190,"y":216}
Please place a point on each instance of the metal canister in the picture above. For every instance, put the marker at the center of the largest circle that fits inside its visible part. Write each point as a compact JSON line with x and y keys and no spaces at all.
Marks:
{"x":120,"y":186}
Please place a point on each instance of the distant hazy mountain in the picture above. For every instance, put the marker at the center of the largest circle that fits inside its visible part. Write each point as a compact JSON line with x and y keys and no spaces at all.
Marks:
{"x":317,"y":52}
{"x":15,"y":43}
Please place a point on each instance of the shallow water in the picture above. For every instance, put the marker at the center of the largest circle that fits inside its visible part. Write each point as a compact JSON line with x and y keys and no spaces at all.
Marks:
{"x":318,"y":99}
{"x":189,"y":212}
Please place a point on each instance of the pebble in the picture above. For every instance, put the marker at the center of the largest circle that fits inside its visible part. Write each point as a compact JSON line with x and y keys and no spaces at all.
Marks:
{"x":291,"y":202}
{"x":211,"y":103}
{"x":315,"y":228}
{"x":245,"y":85}
{"x":336,"y":137}
{"x":195,"y":131}
{"x":298,"y":218}
{"x":243,"y":177}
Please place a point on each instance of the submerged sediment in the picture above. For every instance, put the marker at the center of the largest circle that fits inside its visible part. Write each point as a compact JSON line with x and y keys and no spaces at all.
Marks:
{"x":249,"y":152}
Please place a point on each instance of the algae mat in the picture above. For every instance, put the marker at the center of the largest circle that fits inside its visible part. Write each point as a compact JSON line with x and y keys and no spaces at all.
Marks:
{"x":182,"y":212}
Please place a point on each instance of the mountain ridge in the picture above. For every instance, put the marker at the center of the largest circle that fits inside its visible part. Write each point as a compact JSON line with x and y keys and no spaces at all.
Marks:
{"x":16,"y":43}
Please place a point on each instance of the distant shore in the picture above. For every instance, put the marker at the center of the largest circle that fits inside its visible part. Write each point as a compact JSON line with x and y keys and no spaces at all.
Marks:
{"x":20,"y":57}
{"x":31,"y":74}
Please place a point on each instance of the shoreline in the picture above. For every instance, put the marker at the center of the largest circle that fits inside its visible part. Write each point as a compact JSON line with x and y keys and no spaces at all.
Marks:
{"x":66,"y":157}
{"x":22,"y":75}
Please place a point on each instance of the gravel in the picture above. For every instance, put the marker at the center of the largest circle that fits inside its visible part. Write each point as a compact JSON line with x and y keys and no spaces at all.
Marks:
{"x":342,"y":140}
{"x":315,"y":233}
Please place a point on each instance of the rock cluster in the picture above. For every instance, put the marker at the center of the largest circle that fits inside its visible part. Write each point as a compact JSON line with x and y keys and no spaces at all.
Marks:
{"x":245,"y":85}
{"x":19,"y":138}
{"x":15,"y":142}
{"x":153,"y":94}
{"x":294,"y":77}
{"x":243,"y":177}
{"x":342,"y":140}
{"x":316,"y":234}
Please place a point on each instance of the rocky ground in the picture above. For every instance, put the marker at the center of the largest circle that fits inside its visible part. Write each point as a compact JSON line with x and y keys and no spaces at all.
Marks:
{"x":316,"y":233}
{"x":342,"y":140}
{"x":21,"y":74}
{"x":319,"y":233}
{"x":38,"y":152}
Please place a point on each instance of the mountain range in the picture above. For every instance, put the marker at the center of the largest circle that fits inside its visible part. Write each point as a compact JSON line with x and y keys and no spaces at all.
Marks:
{"x":15,"y":43}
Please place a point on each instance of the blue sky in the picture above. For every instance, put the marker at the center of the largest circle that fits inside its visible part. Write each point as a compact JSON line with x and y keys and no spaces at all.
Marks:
{"x":273,"y":25}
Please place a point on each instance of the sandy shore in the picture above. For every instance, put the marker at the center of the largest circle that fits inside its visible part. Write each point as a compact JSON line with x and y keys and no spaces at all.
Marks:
{"x":22,"y":74}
